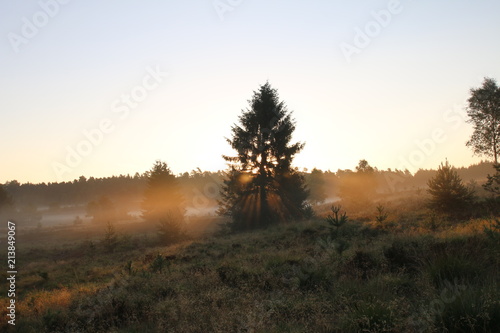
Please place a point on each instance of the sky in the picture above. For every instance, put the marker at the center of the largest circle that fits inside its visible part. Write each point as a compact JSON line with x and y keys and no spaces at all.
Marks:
{"x":102,"y":88}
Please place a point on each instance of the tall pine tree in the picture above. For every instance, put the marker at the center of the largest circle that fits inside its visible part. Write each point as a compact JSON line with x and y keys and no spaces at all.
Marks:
{"x":261,"y":186}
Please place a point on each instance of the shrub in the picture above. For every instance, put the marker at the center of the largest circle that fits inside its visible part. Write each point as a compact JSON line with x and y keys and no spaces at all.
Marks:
{"x":158,"y":264}
{"x":336,"y":223}
{"x":433,"y":222}
{"x":170,"y":229}
{"x":493,"y":231}
{"x":336,"y":220}
{"x":233,"y":276}
{"x":382,"y":215}
{"x":110,"y":237}
{"x":44,"y":275}
{"x":128,"y":268}
{"x":361,"y":266}
{"x":452,"y":267}
{"x":449,"y":194}
{"x":403,"y":255}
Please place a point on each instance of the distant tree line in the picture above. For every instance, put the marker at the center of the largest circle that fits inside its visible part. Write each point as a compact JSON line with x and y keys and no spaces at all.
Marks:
{"x":202,"y":187}
{"x":261,"y":187}
{"x":123,"y":189}
{"x":322,"y":185}
{"x":329,"y":184}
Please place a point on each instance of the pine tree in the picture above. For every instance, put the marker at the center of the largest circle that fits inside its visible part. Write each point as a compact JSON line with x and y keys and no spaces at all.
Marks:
{"x":261,"y":186}
{"x":448,"y":193}
{"x":162,"y":197}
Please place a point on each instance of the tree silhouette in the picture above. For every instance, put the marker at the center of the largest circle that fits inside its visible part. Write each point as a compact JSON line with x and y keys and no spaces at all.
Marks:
{"x":261,"y":186}
{"x":484,"y":114}
{"x":110,"y":240}
{"x":364,"y":167}
{"x":5,"y":198}
{"x":448,"y":193}
{"x":6,"y":203}
{"x":162,"y":196}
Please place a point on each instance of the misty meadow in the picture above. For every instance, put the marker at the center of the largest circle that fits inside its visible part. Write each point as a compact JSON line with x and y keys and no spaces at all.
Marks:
{"x":262,"y":246}
{"x":249,"y":166}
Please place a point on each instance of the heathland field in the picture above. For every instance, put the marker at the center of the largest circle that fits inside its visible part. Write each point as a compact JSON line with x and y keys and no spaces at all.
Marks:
{"x":399,"y":270}
{"x":235,"y":166}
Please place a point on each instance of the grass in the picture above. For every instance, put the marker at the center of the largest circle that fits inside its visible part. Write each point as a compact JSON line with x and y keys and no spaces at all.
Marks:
{"x":287,"y":278}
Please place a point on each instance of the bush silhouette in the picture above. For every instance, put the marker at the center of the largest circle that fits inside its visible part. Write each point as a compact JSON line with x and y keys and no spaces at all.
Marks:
{"x":448,"y":194}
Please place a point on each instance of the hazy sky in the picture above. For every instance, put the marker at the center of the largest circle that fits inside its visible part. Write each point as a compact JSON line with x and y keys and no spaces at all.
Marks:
{"x":84,"y":89}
